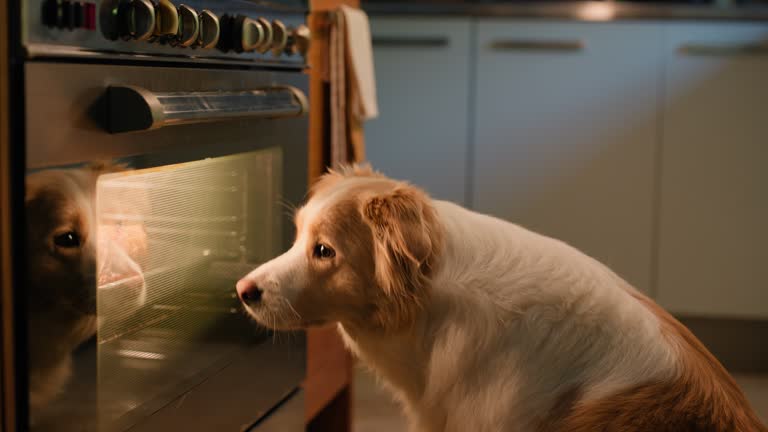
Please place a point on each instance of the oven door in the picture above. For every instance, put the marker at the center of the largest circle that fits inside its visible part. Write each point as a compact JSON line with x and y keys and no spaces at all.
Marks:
{"x":150,"y":191}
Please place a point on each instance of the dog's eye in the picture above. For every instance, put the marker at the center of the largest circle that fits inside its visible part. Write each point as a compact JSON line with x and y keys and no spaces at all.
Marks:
{"x":67,"y":240}
{"x":323,"y":251}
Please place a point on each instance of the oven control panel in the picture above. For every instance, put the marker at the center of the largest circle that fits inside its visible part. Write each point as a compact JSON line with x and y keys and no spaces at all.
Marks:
{"x":265,"y":32}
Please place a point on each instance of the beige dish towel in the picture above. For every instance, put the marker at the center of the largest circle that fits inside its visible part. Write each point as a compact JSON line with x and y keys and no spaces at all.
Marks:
{"x":353,"y":84}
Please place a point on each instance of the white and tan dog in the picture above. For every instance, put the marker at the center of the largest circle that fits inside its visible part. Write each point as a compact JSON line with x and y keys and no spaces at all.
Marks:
{"x":477,"y":324}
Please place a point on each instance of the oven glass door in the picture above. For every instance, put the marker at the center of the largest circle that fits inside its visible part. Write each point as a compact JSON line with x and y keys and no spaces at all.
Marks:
{"x":133,"y":320}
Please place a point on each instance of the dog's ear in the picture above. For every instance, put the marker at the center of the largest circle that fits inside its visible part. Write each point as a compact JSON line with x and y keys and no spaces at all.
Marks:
{"x":407,"y":239}
{"x":358,"y":169}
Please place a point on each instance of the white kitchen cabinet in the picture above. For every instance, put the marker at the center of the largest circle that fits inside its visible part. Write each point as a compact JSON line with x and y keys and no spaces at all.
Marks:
{"x":713,"y":248}
{"x":422,"y":72}
{"x":566,"y":132}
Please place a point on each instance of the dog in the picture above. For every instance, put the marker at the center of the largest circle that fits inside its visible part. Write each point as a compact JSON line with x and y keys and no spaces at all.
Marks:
{"x":477,"y":324}
{"x":64,"y":242}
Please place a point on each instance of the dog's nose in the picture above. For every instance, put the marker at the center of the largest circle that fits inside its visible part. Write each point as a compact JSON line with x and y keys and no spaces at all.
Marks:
{"x":248,"y":291}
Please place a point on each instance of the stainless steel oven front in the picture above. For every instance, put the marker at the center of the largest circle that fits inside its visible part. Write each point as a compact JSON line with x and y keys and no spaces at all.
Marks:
{"x":164,"y":144}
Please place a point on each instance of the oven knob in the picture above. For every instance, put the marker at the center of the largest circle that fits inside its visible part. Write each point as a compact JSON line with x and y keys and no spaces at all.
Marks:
{"x":208,"y":36}
{"x":136,"y":19}
{"x":266,"y":44}
{"x":166,"y":19}
{"x":52,"y":13}
{"x":248,"y":34}
{"x":299,"y":40}
{"x":279,"y":37}
{"x":302,"y":38}
{"x":227,"y":33}
{"x":189,"y":26}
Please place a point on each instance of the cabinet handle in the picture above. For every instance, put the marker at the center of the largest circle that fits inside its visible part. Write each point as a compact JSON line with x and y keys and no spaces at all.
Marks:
{"x":546,"y":45}
{"x":715,"y":49}
{"x":411,"y":42}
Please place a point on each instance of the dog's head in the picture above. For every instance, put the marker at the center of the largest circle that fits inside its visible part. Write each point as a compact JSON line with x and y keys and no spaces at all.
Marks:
{"x":61,"y":247}
{"x":365,"y":249}
{"x":64,"y":240}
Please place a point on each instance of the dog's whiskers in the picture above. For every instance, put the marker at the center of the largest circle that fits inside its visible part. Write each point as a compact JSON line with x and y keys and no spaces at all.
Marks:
{"x":287,"y":205}
{"x":291,"y":308}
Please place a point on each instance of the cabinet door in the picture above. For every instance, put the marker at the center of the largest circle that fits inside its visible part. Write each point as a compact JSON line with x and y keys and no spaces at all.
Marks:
{"x":713,"y":257}
{"x":566,"y":134}
{"x":422,"y":79}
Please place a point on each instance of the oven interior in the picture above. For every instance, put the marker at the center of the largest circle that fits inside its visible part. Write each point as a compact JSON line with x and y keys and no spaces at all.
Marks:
{"x":189,"y":229}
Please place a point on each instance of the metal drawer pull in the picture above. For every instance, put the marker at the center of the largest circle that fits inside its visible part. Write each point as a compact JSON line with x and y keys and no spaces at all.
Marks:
{"x":412,"y":42}
{"x":133,"y":108}
{"x":705,"y":49}
{"x":554,"y":45}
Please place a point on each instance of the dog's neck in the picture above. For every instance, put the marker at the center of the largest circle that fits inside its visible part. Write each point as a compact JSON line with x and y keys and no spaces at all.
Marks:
{"x":401,"y":358}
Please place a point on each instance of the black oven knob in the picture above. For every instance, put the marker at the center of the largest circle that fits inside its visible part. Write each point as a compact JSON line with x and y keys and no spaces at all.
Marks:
{"x":226,"y":30}
{"x":136,"y":19}
{"x":166,"y":19}
{"x":209,"y":33}
{"x":279,"y":37}
{"x":67,"y":15}
{"x":189,"y":26}
{"x":52,"y":13}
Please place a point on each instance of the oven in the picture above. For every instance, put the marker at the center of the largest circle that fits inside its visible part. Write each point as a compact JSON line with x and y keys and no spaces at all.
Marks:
{"x":165,"y":145}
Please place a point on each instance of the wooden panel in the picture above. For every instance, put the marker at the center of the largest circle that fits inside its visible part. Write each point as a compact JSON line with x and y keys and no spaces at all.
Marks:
{"x":714,"y":204}
{"x":329,"y":368}
{"x":318,"y":95}
{"x":336,"y":417}
{"x":329,"y":365}
{"x":326,"y":5}
{"x":319,"y":116}
{"x":7,"y":376}
{"x":566,"y":134}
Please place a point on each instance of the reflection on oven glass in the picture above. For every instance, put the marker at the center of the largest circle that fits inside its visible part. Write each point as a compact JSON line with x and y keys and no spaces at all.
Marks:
{"x":145,"y":261}
{"x":62,"y":248}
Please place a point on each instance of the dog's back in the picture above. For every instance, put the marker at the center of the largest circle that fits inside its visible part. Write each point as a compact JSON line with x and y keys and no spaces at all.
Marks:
{"x":702,"y":397}
{"x":552,"y":340}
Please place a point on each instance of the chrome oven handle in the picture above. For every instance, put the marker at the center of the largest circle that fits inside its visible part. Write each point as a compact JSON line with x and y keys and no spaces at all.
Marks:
{"x":134,"y":108}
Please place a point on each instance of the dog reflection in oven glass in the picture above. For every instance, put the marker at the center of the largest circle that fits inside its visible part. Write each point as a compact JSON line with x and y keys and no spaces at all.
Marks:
{"x":70,"y":253}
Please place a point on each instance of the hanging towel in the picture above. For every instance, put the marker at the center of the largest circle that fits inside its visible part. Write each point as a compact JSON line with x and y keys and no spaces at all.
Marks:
{"x":353,"y":84}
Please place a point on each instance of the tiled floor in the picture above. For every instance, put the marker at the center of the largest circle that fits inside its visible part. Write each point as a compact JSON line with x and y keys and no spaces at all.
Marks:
{"x":375,"y":411}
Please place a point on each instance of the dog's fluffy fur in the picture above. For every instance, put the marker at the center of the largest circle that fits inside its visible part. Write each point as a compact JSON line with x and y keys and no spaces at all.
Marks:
{"x":61,"y":282}
{"x":477,"y":324}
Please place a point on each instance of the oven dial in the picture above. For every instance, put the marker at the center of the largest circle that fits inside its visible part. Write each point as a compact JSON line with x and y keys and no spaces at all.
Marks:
{"x":248,"y":34}
{"x":166,"y":19}
{"x":189,"y":26}
{"x":208,"y":36}
{"x":136,"y":19}
{"x":301,"y":38}
{"x":251,"y":34}
{"x":266,"y":44}
{"x":279,"y":37}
